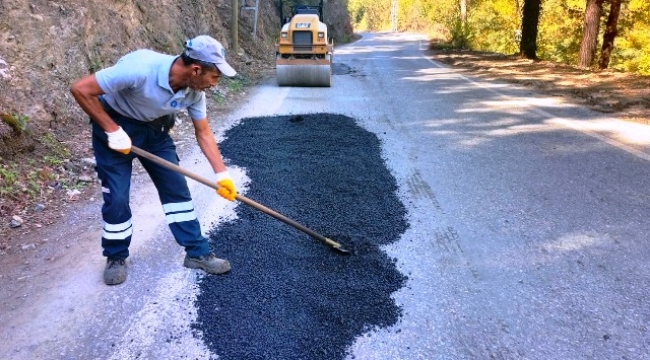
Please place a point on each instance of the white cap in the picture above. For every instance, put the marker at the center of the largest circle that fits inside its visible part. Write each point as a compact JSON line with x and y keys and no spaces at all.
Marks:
{"x":207,"y":49}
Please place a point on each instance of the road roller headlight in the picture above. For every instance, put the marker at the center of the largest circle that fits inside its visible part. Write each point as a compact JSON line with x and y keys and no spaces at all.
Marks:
{"x":284,"y":35}
{"x":321,"y":35}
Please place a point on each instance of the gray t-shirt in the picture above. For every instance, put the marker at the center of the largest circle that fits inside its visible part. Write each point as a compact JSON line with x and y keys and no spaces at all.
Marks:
{"x":137,"y":86}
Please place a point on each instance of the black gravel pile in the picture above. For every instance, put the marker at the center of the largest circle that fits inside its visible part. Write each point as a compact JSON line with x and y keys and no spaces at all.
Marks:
{"x":290,"y":296}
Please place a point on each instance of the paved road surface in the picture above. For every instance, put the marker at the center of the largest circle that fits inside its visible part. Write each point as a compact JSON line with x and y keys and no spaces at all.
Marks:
{"x":528,"y":236}
{"x":526,"y":230}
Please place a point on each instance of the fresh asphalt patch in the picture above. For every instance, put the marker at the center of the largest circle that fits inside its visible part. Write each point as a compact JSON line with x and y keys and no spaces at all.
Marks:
{"x":289,"y":296}
{"x":343,"y":69}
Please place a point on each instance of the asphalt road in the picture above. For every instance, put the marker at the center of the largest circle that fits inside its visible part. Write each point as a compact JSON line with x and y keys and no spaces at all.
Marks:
{"x":527,"y":235}
{"x":488,"y":222}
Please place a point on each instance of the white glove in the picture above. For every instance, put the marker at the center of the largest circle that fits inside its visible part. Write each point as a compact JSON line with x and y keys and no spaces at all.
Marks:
{"x":119,"y":141}
{"x":225,"y":186}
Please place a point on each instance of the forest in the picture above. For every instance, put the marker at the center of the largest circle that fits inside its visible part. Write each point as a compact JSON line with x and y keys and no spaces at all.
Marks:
{"x":596,"y":34}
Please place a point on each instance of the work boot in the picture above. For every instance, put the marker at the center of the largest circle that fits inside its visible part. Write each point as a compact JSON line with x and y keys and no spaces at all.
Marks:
{"x":115,"y":271}
{"x":209,"y":262}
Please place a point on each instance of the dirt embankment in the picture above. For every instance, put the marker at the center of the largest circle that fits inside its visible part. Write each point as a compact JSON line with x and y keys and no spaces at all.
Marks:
{"x":46,"y":45}
{"x":46,"y":159}
{"x":45,"y":154}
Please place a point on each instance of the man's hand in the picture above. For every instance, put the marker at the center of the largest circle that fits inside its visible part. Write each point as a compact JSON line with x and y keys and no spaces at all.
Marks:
{"x":226,"y":188}
{"x":119,"y":141}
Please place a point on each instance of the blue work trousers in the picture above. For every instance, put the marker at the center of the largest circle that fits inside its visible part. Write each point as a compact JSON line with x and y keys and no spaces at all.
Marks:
{"x":114,"y":171}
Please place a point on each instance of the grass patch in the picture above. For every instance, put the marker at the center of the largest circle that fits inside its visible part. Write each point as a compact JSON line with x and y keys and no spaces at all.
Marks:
{"x":235,"y":85}
{"x":228,"y":86}
{"x":95,"y":65}
{"x":32,"y":178}
{"x":219,"y":98}
{"x":8,"y":177}
{"x":16,"y":121}
{"x":59,"y":151}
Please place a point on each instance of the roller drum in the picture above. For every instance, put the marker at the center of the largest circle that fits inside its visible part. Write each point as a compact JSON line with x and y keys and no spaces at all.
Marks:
{"x":304,"y":75}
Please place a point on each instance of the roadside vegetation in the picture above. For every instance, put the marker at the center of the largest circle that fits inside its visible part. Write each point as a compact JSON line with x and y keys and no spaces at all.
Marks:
{"x":588,"y":33}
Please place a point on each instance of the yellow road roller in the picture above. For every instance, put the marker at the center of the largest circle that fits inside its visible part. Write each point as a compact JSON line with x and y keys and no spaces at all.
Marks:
{"x":304,"y":52}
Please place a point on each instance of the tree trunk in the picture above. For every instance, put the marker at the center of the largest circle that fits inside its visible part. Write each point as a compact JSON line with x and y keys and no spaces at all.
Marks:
{"x":529,"y":23}
{"x":611,"y":30}
{"x":590,"y":33}
{"x":463,"y":12}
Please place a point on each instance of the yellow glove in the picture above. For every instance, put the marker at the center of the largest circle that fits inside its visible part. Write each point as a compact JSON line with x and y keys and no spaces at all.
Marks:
{"x":226,"y":188}
{"x":119,"y":141}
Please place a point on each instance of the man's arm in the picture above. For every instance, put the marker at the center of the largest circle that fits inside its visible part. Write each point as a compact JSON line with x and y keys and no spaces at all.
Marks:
{"x":208,"y":144}
{"x":86,"y":92}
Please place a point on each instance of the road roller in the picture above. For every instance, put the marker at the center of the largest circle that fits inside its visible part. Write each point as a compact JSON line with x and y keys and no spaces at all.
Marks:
{"x":304,"y":51}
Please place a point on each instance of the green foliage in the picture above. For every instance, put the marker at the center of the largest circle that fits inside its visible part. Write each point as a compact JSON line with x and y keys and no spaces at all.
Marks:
{"x":357,"y":11}
{"x":33,"y":186}
{"x":228,"y":86}
{"x":219,"y":98}
{"x":30,"y":178}
{"x":94,"y":66}
{"x":346,"y":38}
{"x":416,"y":15}
{"x":234,"y":85}
{"x":52,"y":160}
{"x":57,"y":151}
{"x":632,"y":46}
{"x":494,"y":25}
{"x":443,"y":12}
{"x":56,"y":148}
{"x":378,"y":15}
{"x":370,"y":15}
{"x":16,"y":121}
{"x":560,"y":31}
{"x":9,"y":174}
{"x":460,"y":36}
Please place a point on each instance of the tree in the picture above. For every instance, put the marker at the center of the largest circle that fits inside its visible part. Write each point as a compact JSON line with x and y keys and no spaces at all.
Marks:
{"x":611,"y":31}
{"x":463,"y":12}
{"x":590,"y":33}
{"x":529,"y":24}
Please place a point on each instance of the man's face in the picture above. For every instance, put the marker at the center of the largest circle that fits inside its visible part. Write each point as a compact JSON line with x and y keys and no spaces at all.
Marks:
{"x":203,"y":79}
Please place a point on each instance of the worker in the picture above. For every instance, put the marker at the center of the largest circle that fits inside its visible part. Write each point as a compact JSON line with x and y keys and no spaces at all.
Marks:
{"x":134,"y":102}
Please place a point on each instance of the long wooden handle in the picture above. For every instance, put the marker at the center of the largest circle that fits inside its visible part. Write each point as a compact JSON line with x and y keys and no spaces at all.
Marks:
{"x":211,"y":183}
